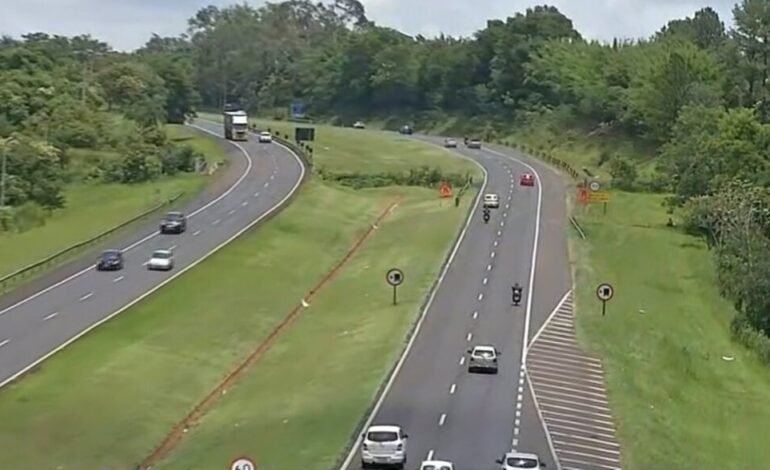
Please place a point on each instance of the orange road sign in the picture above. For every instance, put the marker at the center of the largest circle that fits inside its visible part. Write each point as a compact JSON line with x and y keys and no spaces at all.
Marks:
{"x":582,"y":196}
{"x":445,"y":190}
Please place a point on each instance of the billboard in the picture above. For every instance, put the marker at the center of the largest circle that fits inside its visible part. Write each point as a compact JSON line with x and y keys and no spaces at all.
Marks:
{"x":304,"y":134}
{"x":297,"y":110}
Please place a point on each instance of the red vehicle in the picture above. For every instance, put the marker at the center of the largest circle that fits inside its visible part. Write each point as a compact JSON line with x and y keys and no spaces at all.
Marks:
{"x":527,"y":180}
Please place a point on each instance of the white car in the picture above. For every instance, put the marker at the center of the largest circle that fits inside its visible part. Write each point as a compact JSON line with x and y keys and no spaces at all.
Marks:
{"x":437,"y":465}
{"x":491,"y":201}
{"x":519,"y":460}
{"x":450,"y":143}
{"x":161,"y":260}
{"x":483,"y":358}
{"x":359,"y":125}
{"x":383,"y":445}
{"x":265,"y":137}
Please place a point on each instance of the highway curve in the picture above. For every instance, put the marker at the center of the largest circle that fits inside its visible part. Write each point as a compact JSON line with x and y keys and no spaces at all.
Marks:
{"x":473,"y":419}
{"x":65,"y":304}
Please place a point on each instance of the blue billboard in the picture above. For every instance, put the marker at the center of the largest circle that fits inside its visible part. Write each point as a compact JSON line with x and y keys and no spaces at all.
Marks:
{"x":297,"y":110}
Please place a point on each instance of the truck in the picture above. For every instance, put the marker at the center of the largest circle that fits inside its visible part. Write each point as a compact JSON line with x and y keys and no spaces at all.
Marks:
{"x":236,"y":125}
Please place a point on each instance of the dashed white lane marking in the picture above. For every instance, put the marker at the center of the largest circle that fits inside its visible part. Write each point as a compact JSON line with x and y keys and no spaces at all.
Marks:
{"x":492,"y":255}
{"x":502,"y":223}
{"x":216,"y":222}
{"x":475,"y":315}
{"x":430,"y":455}
{"x":499,"y":233}
{"x":442,"y":419}
{"x":245,"y":203}
{"x":267,"y":184}
{"x":119,"y":278}
{"x":469,"y":337}
{"x":4,"y":342}
{"x":256,"y":194}
{"x":86,"y":297}
{"x":485,"y":281}
{"x":231,"y":212}
{"x":481,"y":296}
{"x":507,"y":206}
{"x":172,"y":248}
{"x":489,"y":267}
{"x":53,"y":315}
{"x":496,"y":242}
{"x":198,"y":232}
{"x":505,"y":214}
{"x":514,"y":443}
{"x":452,"y":389}
{"x":462,"y":360}
{"x":272,"y":177}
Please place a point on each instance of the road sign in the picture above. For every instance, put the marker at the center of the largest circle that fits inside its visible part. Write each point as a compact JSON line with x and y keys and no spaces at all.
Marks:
{"x":304,"y":134}
{"x":395,"y":278}
{"x":604,"y":292}
{"x":582,"y":196}
{"x":297,"y":109}
{"x":445,"y":190}
{"x":243,"y":463}
{"x":598,"y":196}
{"x":594,"y":186}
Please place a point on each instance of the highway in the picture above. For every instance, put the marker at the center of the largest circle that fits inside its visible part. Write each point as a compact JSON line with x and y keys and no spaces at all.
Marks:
{"x":473,"y":419}
{"x":37,"y":321}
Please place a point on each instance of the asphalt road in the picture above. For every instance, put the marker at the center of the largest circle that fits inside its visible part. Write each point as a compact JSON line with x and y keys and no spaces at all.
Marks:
{"x":473,"y":419}
{"x":262,"y":177}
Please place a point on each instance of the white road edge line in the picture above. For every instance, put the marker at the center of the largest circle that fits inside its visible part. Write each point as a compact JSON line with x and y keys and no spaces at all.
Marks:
{"x":418,"y":325}
{"x":176,"y":273}
{"x":243,"y":176}
{"x":548,"y":320}
{"x":542,"y":422}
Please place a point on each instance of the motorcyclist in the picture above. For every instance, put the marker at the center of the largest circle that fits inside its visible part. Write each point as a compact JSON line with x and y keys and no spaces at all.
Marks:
{"x":516,"y":293}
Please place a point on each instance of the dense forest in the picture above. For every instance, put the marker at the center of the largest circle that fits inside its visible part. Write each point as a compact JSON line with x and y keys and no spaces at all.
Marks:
{"x":695,"y":93}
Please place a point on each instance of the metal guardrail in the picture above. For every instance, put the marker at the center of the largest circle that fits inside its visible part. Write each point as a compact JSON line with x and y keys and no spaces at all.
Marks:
{"x":12,"y":278}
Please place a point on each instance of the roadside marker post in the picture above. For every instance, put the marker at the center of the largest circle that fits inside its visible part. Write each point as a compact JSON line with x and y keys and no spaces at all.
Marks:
{"x":395,"y":278}
{"x":243,"y":463}
{"x":604,"y":292}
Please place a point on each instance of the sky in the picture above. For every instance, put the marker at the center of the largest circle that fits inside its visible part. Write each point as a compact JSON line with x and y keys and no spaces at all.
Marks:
{"x":127,"y":24}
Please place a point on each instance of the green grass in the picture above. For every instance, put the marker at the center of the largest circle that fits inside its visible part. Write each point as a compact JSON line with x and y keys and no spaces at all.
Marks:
{"x":93,"y":208}
{"x":142,"y":372}
{"x":339,"y":149}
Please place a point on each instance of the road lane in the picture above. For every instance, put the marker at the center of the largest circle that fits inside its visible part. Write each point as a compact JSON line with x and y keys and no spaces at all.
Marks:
{"x":448,"y":413}
{"x":29,"y":327}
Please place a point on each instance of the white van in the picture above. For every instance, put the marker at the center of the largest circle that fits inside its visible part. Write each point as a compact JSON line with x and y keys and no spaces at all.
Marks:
{"x":491,"y":201}
{"x":383,"y":445}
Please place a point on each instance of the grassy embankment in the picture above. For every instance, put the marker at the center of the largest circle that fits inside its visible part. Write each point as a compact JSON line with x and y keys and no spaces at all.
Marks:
{"x":109,"y":399}
{"x":676,"y":401}
{"x":93,"y":208}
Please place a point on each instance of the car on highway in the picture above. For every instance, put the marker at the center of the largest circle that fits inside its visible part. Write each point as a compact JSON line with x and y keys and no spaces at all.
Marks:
{"x":437,"y":465}
{"x":519,"y":460}
{"x":483,"y":358}
{"x":527,"y":180}
{"x":474,"y":144}
{"x":173,"y":222}
{"x":450,"y":143}
{"x":359,"y":125}
{"x":491,"y":201}
{"x":265,"y":137}
{"x":110,"y":260}
{"x":161,"y":260}
{"x":383,"y":445}
{"x":406,"y":130}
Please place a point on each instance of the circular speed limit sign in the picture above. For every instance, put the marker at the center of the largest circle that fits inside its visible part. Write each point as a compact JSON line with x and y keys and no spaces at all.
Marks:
{"x":594,"y":186}
{"x":395,"y":277}
{"x":243,"y":463}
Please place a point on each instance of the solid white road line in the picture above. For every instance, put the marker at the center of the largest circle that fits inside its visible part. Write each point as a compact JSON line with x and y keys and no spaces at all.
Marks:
{"x":243,"y":176}
{"x":181,"y":271}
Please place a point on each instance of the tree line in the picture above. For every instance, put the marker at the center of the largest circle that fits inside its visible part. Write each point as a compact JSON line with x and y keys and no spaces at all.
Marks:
{"x":695,"y":94}
{"x":72,"y":110}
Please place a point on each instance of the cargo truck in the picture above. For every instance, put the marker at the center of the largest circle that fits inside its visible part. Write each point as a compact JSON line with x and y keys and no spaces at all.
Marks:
{"x":236,"y":125}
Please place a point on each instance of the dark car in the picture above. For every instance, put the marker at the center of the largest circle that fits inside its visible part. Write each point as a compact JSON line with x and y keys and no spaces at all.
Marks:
{"x":406,"y":130}
{"x":173,"y":222}
{"x":111,"y":260}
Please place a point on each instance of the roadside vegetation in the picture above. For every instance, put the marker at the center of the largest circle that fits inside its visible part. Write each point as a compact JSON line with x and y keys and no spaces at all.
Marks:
{"x":164,"y":356}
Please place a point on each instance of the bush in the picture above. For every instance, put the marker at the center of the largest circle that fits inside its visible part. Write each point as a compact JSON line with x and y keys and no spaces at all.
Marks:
{"x":28,"y":216}
{"x":743,"y":333}
{"x":623,"y":173}
{"x":423,"y":177}
{"x":179,"y":159}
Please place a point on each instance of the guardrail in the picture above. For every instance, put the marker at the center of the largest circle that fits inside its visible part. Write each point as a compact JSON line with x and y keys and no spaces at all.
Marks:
{"x":13,"y":278}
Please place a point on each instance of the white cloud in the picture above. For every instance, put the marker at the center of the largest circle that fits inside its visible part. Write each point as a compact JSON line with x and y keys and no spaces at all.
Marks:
{"x":127,"y":24}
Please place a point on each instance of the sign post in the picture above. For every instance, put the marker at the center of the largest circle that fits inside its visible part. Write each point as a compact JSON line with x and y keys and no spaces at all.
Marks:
{"x":243,"y":463}
{"x":395,"y":278}
{"x":604,"y":292}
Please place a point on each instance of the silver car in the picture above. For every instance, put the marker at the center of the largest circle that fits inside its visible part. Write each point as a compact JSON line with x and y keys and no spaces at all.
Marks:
{"x":474,"y":144}
{"x":483,"y":358}
{"x":519,"y":460}
{"x":161,"y":260}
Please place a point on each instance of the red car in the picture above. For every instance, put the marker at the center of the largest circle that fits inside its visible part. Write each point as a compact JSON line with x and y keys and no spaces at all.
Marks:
{"x":527,"y":180}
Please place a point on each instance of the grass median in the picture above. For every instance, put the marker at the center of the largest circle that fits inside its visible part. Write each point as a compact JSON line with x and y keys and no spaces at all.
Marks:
{"x":107,"y":400}
{"x":94,"y":208}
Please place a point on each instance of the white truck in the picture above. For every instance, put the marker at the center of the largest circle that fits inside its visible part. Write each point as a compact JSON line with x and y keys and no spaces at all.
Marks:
{"x":236,"y":125}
